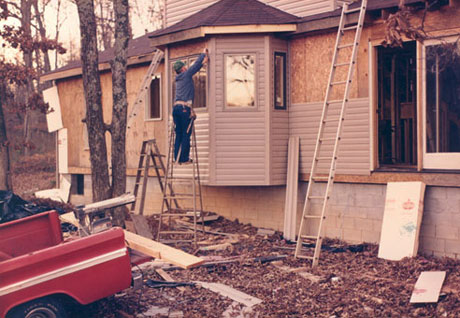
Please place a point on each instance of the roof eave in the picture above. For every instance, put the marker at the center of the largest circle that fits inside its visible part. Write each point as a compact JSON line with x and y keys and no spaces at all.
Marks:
{"x":77,"y":71}
{"x":202,"y":31}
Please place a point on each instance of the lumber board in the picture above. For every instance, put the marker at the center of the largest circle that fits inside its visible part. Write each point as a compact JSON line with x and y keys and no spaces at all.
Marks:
{"x":161,"y":251}
{"x":401,"y":220}
{"x":69,"y":217}
{"x":231,"y":293}
{"x":290,"y":207}
{"x":428,"y":287}
{"x":110,"y":203}
{"x":168,"y":278}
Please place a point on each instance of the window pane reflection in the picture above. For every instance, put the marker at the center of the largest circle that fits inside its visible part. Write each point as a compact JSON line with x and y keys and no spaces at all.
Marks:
{"x":443,"y":98}
{"x":240,"y":80}
{"x":280,"y":80}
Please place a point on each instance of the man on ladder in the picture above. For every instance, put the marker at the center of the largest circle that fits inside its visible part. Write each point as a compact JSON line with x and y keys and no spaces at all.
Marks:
{"x":183,"y":113}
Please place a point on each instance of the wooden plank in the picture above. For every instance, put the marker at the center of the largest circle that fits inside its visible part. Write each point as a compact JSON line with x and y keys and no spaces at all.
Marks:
{"x":168,"y":278}
{"x":161,"y":251}
{"x":428,"y":287}
{"x":109,"y":203}
{"x":231,"y":293}
{"x":290,"y":207}
{"x":141,"y":225}
{"x":401,"y":220}
{"x":69,"y":217}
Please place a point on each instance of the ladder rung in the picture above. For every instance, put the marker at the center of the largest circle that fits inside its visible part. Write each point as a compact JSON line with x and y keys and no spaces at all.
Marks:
{"x":352,"y":27}
{"x":320,"y":178}
{"x":176,"y":197}
{"x":352,"y":10}
{"x":173,"y":214}
{"x":305,"y":257}
{"x":345,"y":46}
{"x":309,"y":237}
{"x":339,"y":83}
{"x":341,"y":64}
{"x":317,"y":197}
{"x":325,"y":158}
{"x":309,"y":216}
{"x":327,"y":139}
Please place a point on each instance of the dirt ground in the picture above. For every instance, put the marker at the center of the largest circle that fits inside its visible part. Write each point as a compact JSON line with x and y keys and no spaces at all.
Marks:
{"x":350,"y":281}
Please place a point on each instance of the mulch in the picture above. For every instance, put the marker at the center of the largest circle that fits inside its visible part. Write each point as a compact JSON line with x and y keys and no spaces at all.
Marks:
{"x":354,"y":282}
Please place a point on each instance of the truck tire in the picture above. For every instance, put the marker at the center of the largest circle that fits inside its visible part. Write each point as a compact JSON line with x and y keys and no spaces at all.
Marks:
{"x":39,"y":308}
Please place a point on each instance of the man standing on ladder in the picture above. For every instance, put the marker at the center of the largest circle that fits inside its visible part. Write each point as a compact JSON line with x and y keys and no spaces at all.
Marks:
{"x":183,"y":113}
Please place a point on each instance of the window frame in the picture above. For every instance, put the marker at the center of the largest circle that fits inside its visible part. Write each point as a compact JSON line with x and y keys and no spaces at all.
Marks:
{"x":147,"y":116}
{"x":224,"y":82}
{"x":435,"y":160}
{"x":284,"y":75}
{"x":173,"y":77}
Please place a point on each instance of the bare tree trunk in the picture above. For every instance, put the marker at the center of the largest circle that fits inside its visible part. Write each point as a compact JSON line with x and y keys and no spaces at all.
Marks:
{"x":5,"y":173}
{"x":92,"y":87}
{"x":120,"y":101}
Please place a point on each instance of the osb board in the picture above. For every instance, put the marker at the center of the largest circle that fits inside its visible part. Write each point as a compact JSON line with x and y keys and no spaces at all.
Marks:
{"x":428,"y":287}
{"x":401,"y":220}
{"x":74,"y":110}
{"x":186,"y":48}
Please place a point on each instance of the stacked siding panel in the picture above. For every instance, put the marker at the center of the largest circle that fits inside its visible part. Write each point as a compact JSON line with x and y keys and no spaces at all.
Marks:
{"x":353,"y":155}
{"x":177,"y":10}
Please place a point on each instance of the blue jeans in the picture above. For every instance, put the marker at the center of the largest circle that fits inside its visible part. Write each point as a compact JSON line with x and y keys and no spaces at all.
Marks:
{"x":182,"y":119}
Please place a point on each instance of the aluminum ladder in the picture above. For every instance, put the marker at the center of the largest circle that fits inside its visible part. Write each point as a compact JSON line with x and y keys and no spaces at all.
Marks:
{"x":189,"y":184}
{"x":156,"y":60}
{"x":324,"y":155}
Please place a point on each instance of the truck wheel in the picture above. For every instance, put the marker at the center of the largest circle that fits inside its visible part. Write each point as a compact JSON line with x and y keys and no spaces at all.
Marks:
{"x":39,"y":308}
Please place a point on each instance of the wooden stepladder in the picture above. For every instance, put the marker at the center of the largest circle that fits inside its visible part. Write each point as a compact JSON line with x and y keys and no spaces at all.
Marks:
{"x":326,"y":149}
{"x":185,"y":179}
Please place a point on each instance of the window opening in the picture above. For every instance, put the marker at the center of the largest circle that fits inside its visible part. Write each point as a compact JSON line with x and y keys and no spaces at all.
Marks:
{"x":154,"y":107}
{"x":280,"y":80}
{"x":397,"y":107}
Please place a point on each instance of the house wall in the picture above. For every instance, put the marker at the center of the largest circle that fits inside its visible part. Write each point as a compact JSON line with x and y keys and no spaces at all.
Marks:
{"x":177,"y":10}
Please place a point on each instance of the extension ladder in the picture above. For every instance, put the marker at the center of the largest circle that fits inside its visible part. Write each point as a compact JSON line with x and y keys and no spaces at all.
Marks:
{"x":190,"y":192}
{"x":149,"y":152}
{"x":156,"y":60}
{"x":322,"y":153}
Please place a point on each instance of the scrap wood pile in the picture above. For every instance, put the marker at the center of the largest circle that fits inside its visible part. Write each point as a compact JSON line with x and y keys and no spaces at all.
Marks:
{"x":257,"y":276}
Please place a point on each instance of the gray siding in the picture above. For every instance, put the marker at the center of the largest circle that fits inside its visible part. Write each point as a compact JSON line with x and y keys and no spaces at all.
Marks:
{"x":177,"y":10}
{"x":279,"y":123}
{"x":354,"y":154}
{"x":239,"y":135}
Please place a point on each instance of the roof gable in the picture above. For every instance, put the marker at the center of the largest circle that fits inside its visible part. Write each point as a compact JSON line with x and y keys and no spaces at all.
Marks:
{"x":231,"y":13}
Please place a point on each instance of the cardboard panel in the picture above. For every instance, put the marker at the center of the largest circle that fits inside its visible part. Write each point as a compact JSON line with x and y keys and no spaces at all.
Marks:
{"x":54,"y":117}
{"x":401,"y":220}
{"x":428,"y":287}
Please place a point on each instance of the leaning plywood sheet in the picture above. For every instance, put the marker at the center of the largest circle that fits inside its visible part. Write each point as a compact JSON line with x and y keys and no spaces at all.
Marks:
{"x":61,"y":194}
{"x":53,"y":117}
{"x":63,"y":156}
{"x":428,"y":287}
{"x":290,"y":207}
{"x":401,"y":220}
{"x":161,"y":251}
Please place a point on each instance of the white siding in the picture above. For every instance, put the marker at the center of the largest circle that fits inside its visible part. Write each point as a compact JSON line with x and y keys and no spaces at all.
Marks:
{"x":354,"y":154}
{"x":177,"y":10}
{"x":279,"y":129}
{"x":239,"y":135}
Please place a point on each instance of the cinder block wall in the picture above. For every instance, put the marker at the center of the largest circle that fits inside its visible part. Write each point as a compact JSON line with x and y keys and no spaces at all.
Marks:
{"x":355,"y":211}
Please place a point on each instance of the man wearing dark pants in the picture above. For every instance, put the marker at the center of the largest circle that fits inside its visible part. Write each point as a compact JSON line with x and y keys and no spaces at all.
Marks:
{"x":182,"y":110}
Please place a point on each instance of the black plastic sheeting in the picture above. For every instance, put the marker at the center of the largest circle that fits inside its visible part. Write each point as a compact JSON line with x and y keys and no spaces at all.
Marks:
{"x":13,"y":207}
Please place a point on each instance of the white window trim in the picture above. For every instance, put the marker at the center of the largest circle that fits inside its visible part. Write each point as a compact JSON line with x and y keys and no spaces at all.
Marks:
{"x":444,"y":160}
{"x":256,"y":82}
{"x":147,"y":101}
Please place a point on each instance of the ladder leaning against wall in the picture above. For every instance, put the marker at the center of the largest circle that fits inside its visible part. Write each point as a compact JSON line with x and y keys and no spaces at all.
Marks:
{"x":326,"y":149}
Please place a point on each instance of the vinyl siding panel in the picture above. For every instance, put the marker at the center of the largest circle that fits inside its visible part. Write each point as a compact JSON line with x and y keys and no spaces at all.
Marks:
{"x":353,"y":153}
{"x":177,"y":10}
{"x":239,"y":135}
{"x":279,"y":129}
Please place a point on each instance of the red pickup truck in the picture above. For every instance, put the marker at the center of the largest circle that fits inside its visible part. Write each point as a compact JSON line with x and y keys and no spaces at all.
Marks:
{"x":40,"y":272}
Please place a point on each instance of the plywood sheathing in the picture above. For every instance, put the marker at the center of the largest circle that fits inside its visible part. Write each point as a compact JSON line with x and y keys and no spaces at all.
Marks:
{"x":186,"y":48}
{"x":73,"y":111}
{"x":311,"y":58}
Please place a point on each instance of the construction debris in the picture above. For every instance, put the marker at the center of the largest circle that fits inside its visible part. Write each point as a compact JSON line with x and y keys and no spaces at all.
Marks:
{"x":231,"y":293}
{"x":427,"y":287}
